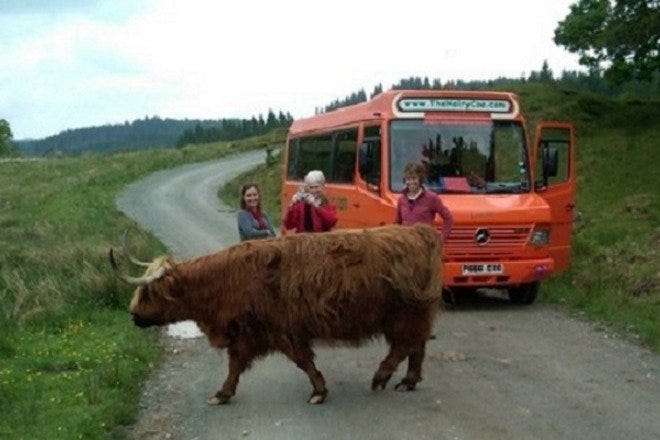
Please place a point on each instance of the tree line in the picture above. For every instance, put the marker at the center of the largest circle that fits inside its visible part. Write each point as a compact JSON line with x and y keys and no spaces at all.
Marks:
{"x":230,"y":129}
{"x":150,"y":132}
{"x":592,"y":81}
{"x":7,"y":146}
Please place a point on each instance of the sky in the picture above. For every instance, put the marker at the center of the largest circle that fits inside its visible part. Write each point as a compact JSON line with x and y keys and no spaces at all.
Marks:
{"x":80,"y":63}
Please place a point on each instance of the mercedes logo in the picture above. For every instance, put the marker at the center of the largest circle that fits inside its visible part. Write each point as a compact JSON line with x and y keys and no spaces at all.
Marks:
{"x":481,"y":236}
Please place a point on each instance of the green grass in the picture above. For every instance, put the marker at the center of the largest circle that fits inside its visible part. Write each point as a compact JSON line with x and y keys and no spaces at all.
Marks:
{"x":614,"y":276}
{"x":71,"y":361}
{"x":75,"y":380}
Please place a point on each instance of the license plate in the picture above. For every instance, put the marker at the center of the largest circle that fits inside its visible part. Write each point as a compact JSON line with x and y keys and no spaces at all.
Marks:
{"x":483,"y":268}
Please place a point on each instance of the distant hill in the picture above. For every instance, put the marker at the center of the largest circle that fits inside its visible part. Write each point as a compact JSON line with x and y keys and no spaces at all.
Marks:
{"x":149,"y":132}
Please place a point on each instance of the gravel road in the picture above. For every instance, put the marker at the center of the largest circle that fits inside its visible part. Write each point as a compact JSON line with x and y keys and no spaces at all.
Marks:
{"x":495,"y":371}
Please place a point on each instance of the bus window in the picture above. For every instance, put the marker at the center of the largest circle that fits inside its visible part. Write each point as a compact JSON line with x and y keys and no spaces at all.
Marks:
{"x":343,"y":163}
{"x":370,"y":156}
{"x":509,"y":159}
{"x":292,"y":162}
{"x":314,"y":154}
{"x":481,"y":156}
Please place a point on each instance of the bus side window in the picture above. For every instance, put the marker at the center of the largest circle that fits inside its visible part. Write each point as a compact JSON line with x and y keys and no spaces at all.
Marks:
{"x":315,"y":153}
{"x":344,"y":156}
{"x":370,"y":161}
{"x":369,"y":156}
{"x":293,"y":171}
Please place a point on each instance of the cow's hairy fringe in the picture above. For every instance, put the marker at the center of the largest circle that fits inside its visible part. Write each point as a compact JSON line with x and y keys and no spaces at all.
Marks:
{"x":313,"y":275}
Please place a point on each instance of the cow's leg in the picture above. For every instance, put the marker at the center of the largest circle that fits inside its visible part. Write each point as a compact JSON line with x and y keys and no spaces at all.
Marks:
{"x":397,"y":354}
{"x":303,"y":357}
{"x":237,"y":364}
{"x":242,"y":351}
{"x":414,"y":374}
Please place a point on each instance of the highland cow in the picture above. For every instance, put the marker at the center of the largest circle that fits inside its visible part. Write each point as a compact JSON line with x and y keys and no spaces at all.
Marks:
{"x":282,"y":294}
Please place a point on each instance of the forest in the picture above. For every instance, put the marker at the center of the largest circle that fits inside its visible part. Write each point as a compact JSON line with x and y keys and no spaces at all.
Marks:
{"x":150,"y":132}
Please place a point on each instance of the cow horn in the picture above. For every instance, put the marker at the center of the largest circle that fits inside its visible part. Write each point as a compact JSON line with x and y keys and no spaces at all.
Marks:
{"x":128,"y":255}
{"x":139,"y":281}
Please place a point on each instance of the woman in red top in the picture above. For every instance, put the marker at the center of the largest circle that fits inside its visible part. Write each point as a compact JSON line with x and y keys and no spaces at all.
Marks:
{"x":310,"y":210}
{"x":419,"y":205}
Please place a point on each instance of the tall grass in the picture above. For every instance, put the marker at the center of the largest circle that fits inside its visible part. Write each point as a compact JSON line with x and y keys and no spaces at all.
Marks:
{"x":71,"y":362}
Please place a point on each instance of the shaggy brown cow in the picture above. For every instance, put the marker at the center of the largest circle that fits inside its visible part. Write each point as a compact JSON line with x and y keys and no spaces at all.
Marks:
{"x":282,"y":294}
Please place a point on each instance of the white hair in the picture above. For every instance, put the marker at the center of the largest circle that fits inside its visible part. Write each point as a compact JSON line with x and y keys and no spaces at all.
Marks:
{"x":315,"y":177}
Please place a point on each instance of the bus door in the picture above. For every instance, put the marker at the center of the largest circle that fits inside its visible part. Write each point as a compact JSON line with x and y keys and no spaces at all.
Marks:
{"x":373,"y":210}
{"x":340,"y":181}
{"x":555,"y":179}
{"x":359,"y":205}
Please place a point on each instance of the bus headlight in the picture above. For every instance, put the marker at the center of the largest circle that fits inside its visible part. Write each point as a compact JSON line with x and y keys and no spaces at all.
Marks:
{"x":540,"y":236}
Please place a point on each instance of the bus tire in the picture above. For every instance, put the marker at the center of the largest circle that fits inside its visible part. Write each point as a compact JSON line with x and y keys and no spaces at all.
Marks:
{"x":524,"y":294}
{"x":455,"y":296}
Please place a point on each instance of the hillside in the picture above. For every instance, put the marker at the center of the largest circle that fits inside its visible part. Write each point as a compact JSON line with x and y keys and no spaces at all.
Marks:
{"x":151,"y":133}
{"x":142,"y":133}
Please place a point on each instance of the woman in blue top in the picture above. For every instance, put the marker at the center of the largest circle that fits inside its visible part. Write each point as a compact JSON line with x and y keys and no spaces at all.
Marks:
{"x":252,"y":221}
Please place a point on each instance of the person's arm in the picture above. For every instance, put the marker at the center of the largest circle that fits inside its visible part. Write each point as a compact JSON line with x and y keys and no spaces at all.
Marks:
{"x":447,"y":219}
{"x":397,"y":218}
{"x":291,"y":217}
{"x":246,"y":226}
{"x":269,"y":225}
{"x":328,"y":215}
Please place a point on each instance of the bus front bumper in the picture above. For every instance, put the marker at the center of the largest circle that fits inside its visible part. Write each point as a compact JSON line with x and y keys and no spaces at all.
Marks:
{"x":499,"y":273}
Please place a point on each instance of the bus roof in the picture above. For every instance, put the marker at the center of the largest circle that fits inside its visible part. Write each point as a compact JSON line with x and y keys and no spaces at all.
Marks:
{"x":414,"y":103}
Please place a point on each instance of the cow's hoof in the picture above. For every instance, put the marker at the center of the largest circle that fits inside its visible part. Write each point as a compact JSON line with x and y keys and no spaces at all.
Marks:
{"x":317,"y":398}
{"x":218,"y":399}
{"x":406,"y":385}
{"x":379,"y":381}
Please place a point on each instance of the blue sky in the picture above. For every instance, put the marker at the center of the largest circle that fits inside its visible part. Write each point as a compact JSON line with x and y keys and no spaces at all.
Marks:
{"x":77,"y":63}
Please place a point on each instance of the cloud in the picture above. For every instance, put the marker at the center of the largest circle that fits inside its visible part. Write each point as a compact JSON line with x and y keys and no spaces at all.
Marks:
{"x":111,"y":61}
{"x":43,"y":6}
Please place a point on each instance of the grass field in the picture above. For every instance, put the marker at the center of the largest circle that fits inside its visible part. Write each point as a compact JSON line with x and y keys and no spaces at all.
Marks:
{"x":71,"y":362}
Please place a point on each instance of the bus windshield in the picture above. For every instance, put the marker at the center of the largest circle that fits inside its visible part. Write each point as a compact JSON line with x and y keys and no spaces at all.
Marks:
{"x":461,"y":157}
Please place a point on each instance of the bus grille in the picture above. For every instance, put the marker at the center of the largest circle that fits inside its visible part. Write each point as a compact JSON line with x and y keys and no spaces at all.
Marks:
{"x":505,"y":241}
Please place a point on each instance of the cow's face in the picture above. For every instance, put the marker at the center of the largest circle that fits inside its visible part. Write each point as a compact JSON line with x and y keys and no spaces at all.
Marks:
{"x":154,"y":302}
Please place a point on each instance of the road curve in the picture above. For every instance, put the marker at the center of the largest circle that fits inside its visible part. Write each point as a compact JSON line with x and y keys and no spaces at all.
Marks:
{"x":495,"y":371}
{"x":181,"y":207}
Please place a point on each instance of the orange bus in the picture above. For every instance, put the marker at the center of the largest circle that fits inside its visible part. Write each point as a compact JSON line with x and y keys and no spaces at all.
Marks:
{"x":512,"y":201}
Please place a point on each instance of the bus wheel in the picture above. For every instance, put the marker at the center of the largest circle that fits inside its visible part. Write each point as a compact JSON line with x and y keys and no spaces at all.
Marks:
{"x":459,"y":295}
{"x":524,"y":294}
{"x":448,"y":298}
